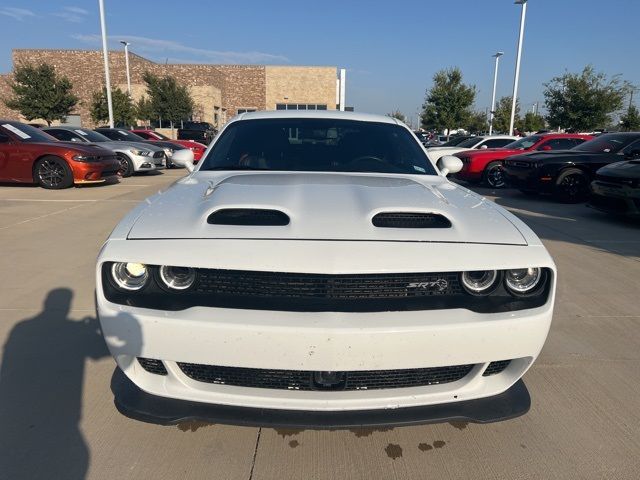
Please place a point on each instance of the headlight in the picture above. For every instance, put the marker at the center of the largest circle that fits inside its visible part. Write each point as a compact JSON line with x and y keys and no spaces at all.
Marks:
{"x":84,"y":158}
{"x":130,"y":276}
{"x":168,"y":152}
{"x":523,"y":280}
{"x":144,"y":153}
{"x":177,"y":278}
{"x":481,"y":282}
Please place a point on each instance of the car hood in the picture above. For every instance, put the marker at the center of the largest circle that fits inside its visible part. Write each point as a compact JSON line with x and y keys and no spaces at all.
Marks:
{"x":556,"y":154}
{"x":323,"y":206}
{"x":492,"y":152}
{"x":86,"y":148}
{"x":628,"y":169}
{"x":122,"y":145}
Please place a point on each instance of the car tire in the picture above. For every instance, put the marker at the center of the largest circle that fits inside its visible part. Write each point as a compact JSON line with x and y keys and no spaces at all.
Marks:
{"x":52,"y":173}
{"x":126,"y":166}
{"x":493,"y":175}
{"x":572,"y":186}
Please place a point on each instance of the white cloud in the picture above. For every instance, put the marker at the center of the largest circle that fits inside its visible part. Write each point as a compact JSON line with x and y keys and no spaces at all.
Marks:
{"x":168,"y":48}
{"x":72,"y":14}
{"x":16,"y":13}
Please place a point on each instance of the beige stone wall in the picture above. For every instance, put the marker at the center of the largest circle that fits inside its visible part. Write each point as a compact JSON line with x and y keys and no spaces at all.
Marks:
{"x":300,"y":85}
{"x":244,"y":87}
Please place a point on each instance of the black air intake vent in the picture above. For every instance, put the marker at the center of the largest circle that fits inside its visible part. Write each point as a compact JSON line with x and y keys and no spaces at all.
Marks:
{"x":249,"y":216}
{"x":410,"y":220}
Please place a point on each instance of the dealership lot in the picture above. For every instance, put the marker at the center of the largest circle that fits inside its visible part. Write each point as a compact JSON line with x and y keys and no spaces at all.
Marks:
{"x":57,"y":418}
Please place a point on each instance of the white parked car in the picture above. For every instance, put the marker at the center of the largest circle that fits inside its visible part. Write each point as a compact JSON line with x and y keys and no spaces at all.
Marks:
{"x":471,"y":143}
{"x":133,"y":156}
{"x":316,"y":269}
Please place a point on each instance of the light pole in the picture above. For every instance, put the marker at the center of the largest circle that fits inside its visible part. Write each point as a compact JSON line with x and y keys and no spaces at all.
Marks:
{"x":105,"y":54}
{"x":514,"y":98}
{"x":126,"y":62}
{"x":493,"y":95}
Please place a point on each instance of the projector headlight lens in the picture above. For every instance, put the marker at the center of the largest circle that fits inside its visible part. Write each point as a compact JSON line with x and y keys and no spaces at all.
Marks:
{"x":130,"y":276}
{"x":479,"y":282}
{"x":523,"y":280}
{"x":177,"y":278}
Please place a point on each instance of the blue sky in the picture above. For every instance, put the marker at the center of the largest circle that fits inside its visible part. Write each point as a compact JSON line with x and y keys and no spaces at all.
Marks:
{"x":390,"y":49}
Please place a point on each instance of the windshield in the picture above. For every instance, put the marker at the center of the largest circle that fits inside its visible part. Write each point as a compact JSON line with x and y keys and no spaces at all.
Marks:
{"x":322,"y":145}
{"x":453,"y":141}
{"x":469,"y":142}
{"x":27,"y":133}
{"x":524,"y":143}
{"x":159,"y":136}
{"x":91,"y":135}
{"x":609,"y":143}
{"x":122,"y":135}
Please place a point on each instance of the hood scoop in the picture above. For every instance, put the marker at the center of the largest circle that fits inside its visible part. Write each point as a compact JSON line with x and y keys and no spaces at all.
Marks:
{"x":254,"y":217}
{"x":410,"y":220}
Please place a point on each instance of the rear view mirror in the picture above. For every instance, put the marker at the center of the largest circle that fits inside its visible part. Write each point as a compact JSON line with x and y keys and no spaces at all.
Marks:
{"x":449,"y":164}
{"x":545,"y":147}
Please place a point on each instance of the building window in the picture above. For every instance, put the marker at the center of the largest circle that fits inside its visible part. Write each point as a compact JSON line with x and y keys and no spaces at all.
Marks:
{"x":300,"y":106}
{"x":246,"y":110}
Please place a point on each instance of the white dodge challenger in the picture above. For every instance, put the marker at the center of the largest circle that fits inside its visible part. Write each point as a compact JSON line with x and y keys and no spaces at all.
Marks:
{"x":317,"y":270}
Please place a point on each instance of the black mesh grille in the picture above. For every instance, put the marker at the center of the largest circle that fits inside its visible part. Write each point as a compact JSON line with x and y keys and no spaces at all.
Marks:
{"x":152,"y":366}
{"x":496,"y":367}
{"x":253,"y":284}
{"x":248,"y":216}
{"x":158,"y":154}
{"x":305,"y":380}
{"x":410,"y":220}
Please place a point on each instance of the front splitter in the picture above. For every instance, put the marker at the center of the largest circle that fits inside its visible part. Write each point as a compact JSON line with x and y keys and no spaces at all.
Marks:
{"x":134,"y":403}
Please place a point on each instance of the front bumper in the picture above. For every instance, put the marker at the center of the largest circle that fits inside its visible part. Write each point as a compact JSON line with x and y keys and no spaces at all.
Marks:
{"x":145,"y":164}
{"x":615,"y":198}
{"x":133,"y":402}
{"x":528,"y":179}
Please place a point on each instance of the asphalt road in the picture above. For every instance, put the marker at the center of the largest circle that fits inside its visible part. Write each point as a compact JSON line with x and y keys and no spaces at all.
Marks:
{"x":57,"y":419}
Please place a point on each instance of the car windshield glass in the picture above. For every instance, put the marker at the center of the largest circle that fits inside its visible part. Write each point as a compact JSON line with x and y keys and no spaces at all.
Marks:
{"x":453,"y":141}
{"x":159,"y":135}
{"x":469,"y":142}
{"x":606,"y":143}
{"x":91,"y":135}
{"x":323,"y":145}
{"x":129,"y":136}
{"x":27,"y":133}
{"x":524,"y":143}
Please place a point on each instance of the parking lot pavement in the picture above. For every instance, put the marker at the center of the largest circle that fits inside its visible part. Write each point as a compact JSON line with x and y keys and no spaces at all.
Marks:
{"x":57,"y":418}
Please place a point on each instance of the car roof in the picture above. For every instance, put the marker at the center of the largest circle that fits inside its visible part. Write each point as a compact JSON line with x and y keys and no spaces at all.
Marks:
{"x":329,"y":114}
{"x":65,"y":127}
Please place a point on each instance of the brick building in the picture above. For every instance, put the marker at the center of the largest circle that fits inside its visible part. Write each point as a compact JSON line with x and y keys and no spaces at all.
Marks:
{"x":219,"y":91}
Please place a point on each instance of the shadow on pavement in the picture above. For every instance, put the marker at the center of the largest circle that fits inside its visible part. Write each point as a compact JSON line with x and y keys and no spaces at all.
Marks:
{"x":41,"y":384}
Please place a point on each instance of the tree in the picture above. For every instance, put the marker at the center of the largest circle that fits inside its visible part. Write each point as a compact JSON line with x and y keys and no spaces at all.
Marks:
{"x":40,"y":93}
{"x":144,"y":109}
{"x":532,"y":122}
{"x":169,"y":101}
{"x":477,"y":122}
{"x":630,"y":121}
{"x":583,"y":101}
{"x":502,"y":116}
{"x":398,"y":115}
{"x":123,"y":110}
{"x":448,"y":102}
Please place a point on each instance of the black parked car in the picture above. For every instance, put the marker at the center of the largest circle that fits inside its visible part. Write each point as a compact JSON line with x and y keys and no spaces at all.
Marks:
{"x":567,"y":173}
{"x":124,"y":135}
{"x":202,"y":132}
{"x":616,"y":189}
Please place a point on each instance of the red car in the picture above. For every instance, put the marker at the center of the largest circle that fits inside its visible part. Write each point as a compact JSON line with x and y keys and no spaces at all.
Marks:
{"x":486,"y":165}
{"x":29,"y":155}
{"x":153,"y":136}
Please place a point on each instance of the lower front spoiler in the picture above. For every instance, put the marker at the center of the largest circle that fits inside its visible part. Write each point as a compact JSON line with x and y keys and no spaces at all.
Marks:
{"x":134,"y":403}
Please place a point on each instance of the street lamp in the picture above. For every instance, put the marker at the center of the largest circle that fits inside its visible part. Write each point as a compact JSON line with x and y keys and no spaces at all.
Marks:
{"x":105,"y":54}
{"x":126,"y":62}
{"x":497,"y":56}
{"x":514,"y":98}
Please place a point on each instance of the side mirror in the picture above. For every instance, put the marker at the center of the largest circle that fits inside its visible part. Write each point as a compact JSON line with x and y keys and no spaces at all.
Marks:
{"x":483,"y":147}
{"x":449,"y":164}
{"x":183,"y":158}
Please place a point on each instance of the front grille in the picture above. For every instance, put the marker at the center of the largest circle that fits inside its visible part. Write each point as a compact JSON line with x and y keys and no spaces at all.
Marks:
{"x":159,"y":154}
{"x":612,"y":204}
{"x":253,"y":284}
{"x":617,"y":180}
{"x":410,"y":220}
{"x":496,"y":367}
{"x":248,"y":216}
{"x":152,"y":365}
{"x":307,"y":380}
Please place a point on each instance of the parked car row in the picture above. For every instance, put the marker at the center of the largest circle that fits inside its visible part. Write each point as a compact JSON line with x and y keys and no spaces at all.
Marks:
{"x":62,"y":156}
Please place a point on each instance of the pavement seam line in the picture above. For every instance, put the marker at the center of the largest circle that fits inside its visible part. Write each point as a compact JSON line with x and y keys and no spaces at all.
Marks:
{"x":255,"y":453}
{"x":41,"y":216}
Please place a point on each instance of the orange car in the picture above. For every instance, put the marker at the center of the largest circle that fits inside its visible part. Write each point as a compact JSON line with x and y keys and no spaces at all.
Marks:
{"x":29,"y":155}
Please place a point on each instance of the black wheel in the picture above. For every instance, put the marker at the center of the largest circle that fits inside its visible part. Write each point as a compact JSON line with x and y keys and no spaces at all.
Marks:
{"x":52,"y":173}
{"x":126,"y":166}
{"x":494,"y":175}
{"x":572,"y":186}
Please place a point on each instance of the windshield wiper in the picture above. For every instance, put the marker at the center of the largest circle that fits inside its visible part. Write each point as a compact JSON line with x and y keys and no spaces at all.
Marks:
{"x":236,"y":167}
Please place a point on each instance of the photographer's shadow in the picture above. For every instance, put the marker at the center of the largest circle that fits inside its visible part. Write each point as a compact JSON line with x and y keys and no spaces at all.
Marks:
{"x":41,"y":384}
